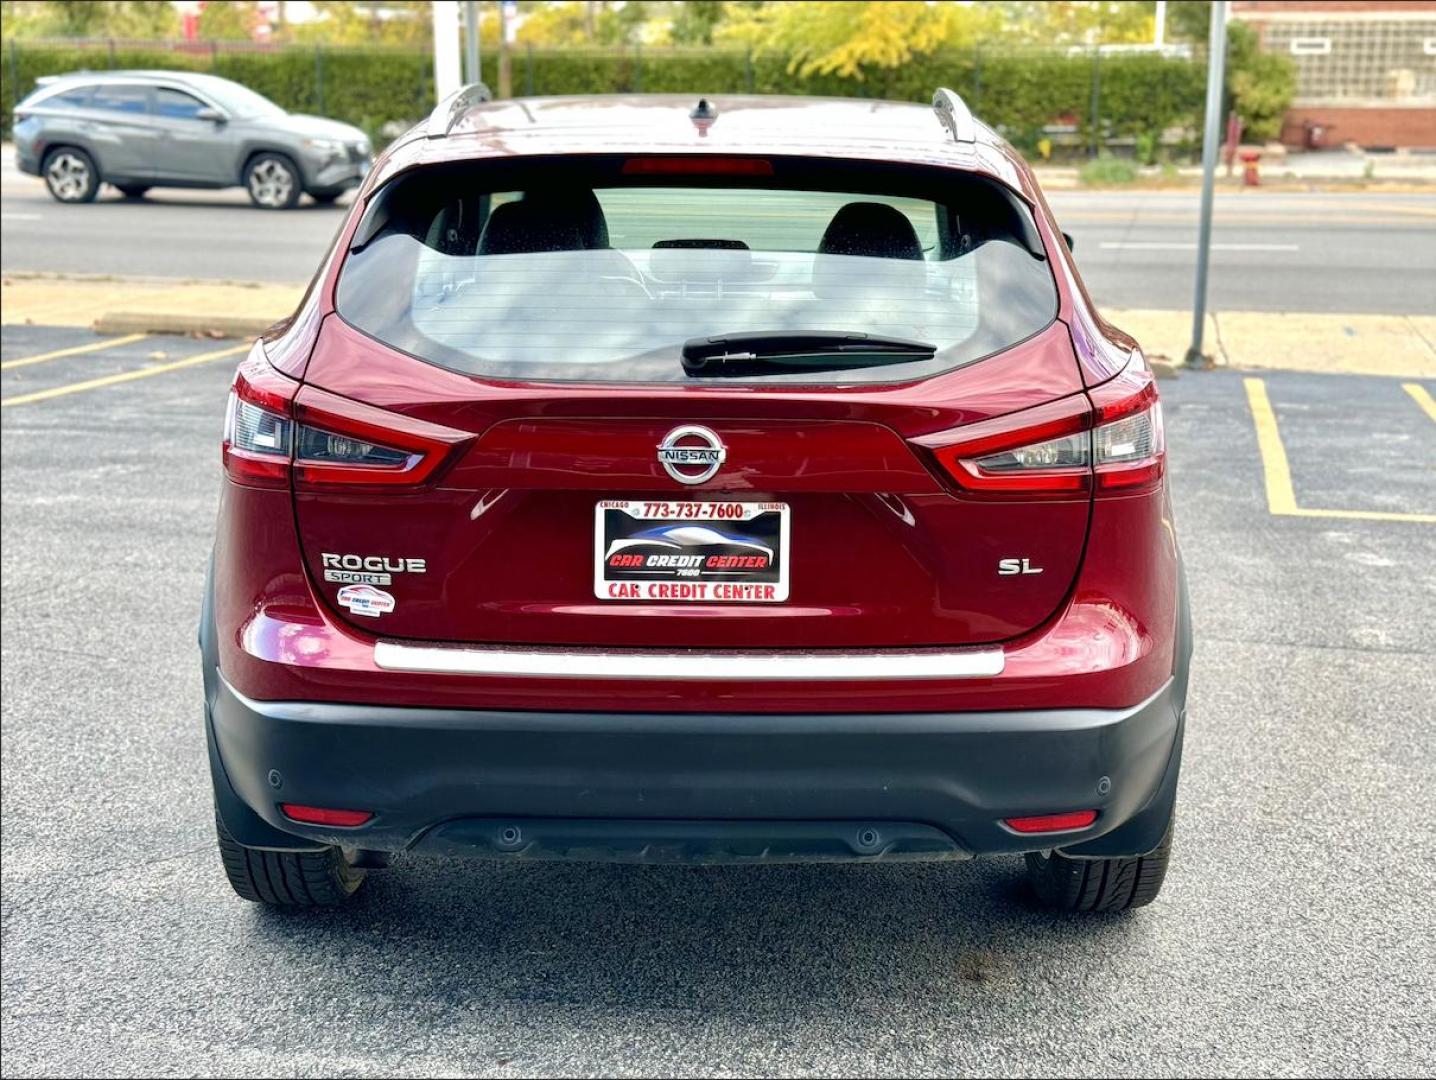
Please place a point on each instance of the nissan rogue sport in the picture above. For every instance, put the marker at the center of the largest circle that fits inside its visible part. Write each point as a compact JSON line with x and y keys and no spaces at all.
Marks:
{"x":663,"y":480}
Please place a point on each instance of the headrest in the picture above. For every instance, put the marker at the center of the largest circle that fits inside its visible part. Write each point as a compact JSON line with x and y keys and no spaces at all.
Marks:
{"x":872,"y":229}
{"x":881,"y":258}
{"x":520,"y":227}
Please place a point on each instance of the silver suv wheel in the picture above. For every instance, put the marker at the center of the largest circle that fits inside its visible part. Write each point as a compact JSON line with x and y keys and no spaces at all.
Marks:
{"x":69,"y":176}
{"x":272,"y":183}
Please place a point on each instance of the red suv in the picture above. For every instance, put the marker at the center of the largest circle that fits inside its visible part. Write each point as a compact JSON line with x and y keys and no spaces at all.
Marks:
{"x":646,"y":479}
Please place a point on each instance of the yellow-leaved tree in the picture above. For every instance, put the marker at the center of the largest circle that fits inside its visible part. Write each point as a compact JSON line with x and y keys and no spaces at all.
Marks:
{"x":833,"y":37}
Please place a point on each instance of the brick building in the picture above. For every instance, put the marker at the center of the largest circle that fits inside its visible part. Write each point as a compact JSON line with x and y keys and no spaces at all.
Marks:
{"x":1366,"y":69}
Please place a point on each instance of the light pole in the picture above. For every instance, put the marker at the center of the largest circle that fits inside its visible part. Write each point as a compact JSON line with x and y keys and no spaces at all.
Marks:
{"x":473,"y":71}
{"x":1211,"y":136}
{"x":446,"y":48}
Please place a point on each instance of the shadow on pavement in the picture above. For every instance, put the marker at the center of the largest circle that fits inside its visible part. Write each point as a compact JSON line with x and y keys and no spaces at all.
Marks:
{"x":205,"y":199}
{"x":775,"y":939}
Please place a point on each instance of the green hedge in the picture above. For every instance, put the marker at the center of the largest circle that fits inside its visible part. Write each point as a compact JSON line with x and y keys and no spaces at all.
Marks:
{"x":1019,"y":93}
{"x":367,"y":87}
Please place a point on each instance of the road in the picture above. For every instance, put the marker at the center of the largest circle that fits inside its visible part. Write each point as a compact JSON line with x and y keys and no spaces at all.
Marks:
{"x":1273,"y":251}
{"x":1288,"y":939}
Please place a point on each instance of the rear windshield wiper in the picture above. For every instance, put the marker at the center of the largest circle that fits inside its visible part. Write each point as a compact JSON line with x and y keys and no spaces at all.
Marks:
{"x":813,"y":350}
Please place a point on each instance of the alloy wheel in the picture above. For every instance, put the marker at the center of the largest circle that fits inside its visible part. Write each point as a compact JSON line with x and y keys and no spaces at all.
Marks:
{"x":68,"y":176}
{"x":270,"y":183}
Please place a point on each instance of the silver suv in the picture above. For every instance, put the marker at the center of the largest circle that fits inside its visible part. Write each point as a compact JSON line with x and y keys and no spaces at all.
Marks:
{"x":143,"y":129}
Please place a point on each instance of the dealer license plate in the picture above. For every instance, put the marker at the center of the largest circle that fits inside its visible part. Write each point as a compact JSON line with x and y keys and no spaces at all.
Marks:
{"x":691,"y":552}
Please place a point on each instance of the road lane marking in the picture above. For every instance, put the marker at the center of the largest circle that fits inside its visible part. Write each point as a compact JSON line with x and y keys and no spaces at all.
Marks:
{"x":126,"y":376}
{"x":1280,"y":494}
{"x":94,"y":346}
{"x":1157,"y":245}
{"x":1421,"y":397}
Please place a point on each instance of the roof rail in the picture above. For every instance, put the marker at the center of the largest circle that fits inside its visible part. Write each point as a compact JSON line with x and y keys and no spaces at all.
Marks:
{"x":955,"y":115}
{"x":451,"y":110}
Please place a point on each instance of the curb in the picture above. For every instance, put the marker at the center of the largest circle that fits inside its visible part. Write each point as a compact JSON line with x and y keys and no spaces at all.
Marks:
{"x":216,"y":326}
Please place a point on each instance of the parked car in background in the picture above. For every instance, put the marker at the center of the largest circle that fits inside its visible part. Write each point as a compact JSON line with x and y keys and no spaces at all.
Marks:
{"x":143,"y":129}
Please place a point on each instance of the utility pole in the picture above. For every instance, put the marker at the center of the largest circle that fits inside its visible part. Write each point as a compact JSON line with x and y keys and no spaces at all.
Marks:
{"x":506,"y":63}
{"x":1161,"y":35}
{"x":473,"y":68}
{"x":446,"y":48}
{"x":1211,"y":138}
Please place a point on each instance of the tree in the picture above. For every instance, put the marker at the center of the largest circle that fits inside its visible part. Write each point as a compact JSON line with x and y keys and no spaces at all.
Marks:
{"x":230,"y":20}
{"x":147,"y":20}
{"x":370,"y":22}
{"x":1076,"y":22}
{"x":1189,"y":20}
{"x":832,"y":37}
{"x":695,"y":20}
{"x":621,"y":26}
{"x":562,"y":24}
{"x":1261,"y":85}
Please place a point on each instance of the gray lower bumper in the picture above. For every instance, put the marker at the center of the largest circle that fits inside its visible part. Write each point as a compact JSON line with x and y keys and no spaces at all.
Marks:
{"x":701,"y":787}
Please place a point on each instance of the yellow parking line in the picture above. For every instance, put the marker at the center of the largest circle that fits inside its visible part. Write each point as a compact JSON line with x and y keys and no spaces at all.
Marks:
{"x":126,"y":376}
{"x":1280,"y":495}
{"x":1421,"y":397}
{"x":1365,"y":515}
{"x":94,"y":346}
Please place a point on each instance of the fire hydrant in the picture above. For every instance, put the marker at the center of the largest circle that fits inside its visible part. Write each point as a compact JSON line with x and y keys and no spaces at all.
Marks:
{"x":1250,"y":176}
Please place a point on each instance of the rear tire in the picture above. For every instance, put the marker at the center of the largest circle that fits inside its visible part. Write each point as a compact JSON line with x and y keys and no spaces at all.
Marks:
{"x":133,"y":191}
{"x":1099,"y":885}
{"x":293,"y":879}
{"x":71,"y":175}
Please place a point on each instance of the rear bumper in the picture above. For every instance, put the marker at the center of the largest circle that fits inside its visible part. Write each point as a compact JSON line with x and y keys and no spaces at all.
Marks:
{"x":695,"y":787}
{"x":26,"y":158}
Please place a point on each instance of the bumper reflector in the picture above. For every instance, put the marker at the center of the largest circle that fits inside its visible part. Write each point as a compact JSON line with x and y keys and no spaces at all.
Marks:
{"x":316,"y":815}
{"x":1042,"y":823}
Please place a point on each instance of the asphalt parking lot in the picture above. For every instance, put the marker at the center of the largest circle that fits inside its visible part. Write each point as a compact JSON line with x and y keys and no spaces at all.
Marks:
{"x":1294,"y":935}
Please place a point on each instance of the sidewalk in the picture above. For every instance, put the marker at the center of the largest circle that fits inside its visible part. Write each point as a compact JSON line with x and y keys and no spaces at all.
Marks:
{"x":146,"y":305}
{"x":1402,"y":170}
{"x":1401,"y":346}
{"x":1396,"y":345}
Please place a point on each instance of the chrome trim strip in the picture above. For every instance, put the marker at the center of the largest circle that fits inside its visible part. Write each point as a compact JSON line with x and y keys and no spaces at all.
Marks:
{"x":979,"y":663}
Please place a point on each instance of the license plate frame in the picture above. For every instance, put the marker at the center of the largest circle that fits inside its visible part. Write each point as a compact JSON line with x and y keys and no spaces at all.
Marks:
{"x":724,"y":573}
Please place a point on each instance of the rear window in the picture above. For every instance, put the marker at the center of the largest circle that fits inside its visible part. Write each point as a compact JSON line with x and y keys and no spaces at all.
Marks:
{"x":73,"y":97}
{"x":601,"y":269}
{"x":129,"y":99}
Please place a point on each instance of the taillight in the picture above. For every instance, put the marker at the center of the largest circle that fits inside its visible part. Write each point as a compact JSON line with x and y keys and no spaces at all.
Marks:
{"x":275,"y":430}
{"x":258,"y":427}
{"x":344,"y":442}
{"x":1129,"y":443}
{"x":1042,"y":451}
{"x":1111,"y":440}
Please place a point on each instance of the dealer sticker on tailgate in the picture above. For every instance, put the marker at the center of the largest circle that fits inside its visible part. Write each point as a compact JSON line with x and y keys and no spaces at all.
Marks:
{"x":689,"y":551}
